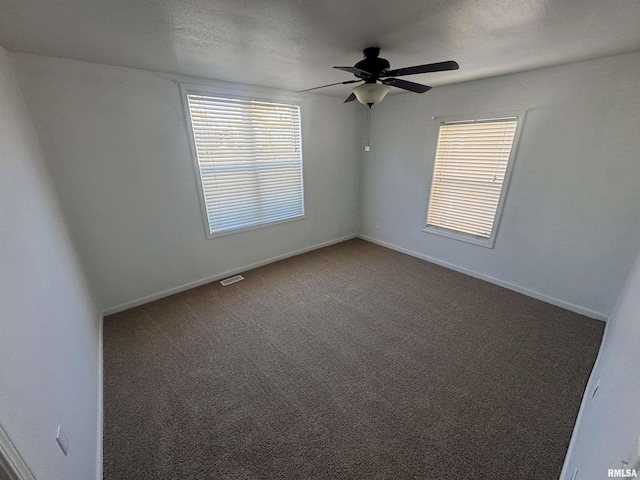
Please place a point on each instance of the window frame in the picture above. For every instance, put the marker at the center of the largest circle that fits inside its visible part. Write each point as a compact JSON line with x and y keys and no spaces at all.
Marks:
{"x":236,"y":94}
{"x":463,"y":236}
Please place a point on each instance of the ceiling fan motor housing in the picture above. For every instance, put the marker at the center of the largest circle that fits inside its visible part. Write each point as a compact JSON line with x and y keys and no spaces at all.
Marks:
{"x":373,"y":64}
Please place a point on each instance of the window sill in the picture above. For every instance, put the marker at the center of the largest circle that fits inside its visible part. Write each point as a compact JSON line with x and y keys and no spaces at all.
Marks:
{"x":463,"y":237}
{"x":211,"y":236}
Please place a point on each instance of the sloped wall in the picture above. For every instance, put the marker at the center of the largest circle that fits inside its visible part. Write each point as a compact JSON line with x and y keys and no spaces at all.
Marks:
{"x":49,"y":325}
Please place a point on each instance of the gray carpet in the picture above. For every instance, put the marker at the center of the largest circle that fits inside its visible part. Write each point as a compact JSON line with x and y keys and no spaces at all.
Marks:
{"x":349,"y":362}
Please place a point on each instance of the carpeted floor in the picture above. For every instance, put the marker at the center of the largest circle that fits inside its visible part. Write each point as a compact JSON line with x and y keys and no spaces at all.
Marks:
{"x":349,"y":362}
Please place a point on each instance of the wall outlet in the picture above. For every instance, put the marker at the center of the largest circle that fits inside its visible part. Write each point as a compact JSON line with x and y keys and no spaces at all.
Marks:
{"x":377,"y":225}
{"x":62,"y":440}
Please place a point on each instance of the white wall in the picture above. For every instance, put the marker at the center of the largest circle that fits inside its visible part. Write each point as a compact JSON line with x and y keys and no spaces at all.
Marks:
{"x":117,"y":144}
{"x":49,"y":325}
{"x":570,"y":223}
{"x":608,"y":427}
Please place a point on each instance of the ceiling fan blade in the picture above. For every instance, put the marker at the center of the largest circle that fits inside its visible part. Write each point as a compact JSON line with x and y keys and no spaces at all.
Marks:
{"x":350,"y":98}
{"x":330,"y":85}
{"x":428,"y":68}
{"x":355,"y":71}
{"x":404,"y":84}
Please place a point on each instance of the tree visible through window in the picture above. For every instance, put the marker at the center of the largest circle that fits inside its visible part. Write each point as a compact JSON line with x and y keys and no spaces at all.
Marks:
{"x":249,"y":158}
{"x":470,"y":176}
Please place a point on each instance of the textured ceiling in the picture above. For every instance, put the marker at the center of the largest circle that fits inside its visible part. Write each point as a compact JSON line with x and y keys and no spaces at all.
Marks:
{"x":292,"y":44}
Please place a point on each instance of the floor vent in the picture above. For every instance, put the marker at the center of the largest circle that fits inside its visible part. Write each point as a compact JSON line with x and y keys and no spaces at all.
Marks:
{"x":230,"y":280}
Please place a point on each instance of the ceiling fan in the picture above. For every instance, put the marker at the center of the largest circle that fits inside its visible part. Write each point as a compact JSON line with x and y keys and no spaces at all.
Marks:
{"x":374,"y":69}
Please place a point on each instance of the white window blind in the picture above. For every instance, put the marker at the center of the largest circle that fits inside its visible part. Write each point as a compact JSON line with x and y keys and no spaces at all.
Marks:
{"x":469,"y":175}
{"x":249,"y":155}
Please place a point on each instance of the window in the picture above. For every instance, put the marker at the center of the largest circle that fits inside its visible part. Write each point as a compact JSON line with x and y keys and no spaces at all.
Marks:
{"x":249,"y":159}
{"x":470,"y":176}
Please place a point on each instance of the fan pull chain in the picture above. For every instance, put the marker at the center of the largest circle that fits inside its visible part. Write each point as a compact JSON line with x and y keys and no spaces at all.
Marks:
{"x":367,"y":147}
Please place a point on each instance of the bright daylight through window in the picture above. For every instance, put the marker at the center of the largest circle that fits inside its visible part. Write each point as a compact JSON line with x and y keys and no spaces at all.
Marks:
{"x":249,"y":158}
{"x":472,"y":166}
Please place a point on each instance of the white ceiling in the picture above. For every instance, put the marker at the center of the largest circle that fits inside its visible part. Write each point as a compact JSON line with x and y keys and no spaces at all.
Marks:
{"x":292,"y":44}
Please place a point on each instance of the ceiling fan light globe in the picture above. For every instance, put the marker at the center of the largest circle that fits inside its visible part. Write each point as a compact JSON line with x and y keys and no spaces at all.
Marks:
{"x":371,"y":93}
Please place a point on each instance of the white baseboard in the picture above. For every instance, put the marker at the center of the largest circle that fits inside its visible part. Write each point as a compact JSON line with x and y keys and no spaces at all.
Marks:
{"x":587,"y":312}
{"x":100,"y":441}
{"x":219,"y":276}
{"x":11,"y":461}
